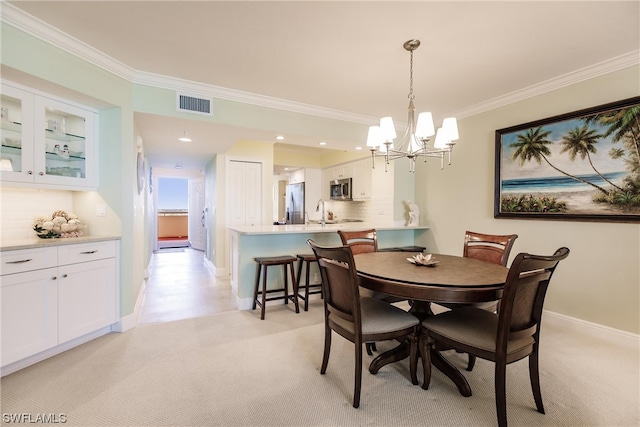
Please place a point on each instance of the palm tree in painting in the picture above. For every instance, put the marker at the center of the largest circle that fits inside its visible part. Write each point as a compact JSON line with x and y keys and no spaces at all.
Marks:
{"x":624,"y":126}
{"x":532,"y":145}
{"x":581,"y":142}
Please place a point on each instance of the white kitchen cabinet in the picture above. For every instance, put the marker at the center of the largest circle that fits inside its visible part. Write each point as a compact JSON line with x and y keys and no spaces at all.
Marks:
{"x":29,"y":313}
{"x":47,"y":142}
{"x":86,"y":298}
{"x":297,"y":176}
{"x":339,"y":172}
{"x":362,"y":180}
{"x":312,"y":190}
{"x":56,"y":294}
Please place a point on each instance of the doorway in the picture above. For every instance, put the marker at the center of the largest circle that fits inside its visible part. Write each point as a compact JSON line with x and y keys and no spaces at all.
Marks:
{"x":173,"y":212}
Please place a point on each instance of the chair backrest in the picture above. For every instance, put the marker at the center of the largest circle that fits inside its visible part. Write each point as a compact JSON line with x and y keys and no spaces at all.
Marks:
{"x":340,"y":283}
{"x":487,"y":247}
{"x":360,"y":242}
{"x":523,"y":296}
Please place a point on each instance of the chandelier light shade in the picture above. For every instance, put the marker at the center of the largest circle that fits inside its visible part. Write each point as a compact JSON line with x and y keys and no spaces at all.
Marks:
{"x":415,"y":141}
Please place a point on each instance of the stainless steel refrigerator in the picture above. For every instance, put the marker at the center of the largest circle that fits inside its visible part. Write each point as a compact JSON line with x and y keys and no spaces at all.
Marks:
{"x":294,"y":207}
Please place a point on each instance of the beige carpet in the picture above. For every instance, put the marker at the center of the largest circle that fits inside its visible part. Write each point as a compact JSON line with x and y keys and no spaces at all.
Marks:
{"x":232,"y":369}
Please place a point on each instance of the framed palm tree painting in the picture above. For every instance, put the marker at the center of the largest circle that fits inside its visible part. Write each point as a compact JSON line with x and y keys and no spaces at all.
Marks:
{"x":583,"y":165}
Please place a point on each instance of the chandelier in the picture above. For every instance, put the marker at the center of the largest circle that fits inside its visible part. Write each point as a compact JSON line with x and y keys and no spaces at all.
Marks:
{"x":415,"y":141}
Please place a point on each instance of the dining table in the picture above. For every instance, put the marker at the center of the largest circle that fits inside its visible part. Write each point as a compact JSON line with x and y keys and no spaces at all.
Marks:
{"x":449,"y":278}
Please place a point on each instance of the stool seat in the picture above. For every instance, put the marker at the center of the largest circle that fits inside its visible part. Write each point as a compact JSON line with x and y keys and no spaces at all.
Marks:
{"x":275,"y":260}
{"x":309,"y":289}
{"x":285,"y":261}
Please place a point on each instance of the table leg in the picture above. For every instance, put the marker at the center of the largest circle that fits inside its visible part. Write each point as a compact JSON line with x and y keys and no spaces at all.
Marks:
{"x":395,"y":354}
{"x":422,"y":310}
{"x":450,"y":371}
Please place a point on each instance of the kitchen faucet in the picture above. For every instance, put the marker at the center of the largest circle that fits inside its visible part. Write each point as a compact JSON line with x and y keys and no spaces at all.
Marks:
{"x":322,"y":221}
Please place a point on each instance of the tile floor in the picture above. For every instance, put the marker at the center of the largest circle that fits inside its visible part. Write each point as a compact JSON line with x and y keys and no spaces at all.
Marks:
{"x":180,"y":286}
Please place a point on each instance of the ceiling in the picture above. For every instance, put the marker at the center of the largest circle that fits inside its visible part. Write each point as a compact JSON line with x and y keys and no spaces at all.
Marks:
{"x":345,"y":57}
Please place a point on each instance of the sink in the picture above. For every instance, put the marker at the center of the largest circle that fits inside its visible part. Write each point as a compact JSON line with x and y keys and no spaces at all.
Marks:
{"x":334,"y":221}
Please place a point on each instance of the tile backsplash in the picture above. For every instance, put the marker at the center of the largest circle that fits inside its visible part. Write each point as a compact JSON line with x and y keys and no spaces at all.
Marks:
{"x":377,"y":211}
{"x":19,"y":206}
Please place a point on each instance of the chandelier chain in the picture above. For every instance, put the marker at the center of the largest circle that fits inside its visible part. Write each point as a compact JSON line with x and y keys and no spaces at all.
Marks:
{"x":411,"y":95}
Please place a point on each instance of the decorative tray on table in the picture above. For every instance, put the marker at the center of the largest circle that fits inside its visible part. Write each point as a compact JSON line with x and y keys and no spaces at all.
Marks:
{"x":423,"y":260}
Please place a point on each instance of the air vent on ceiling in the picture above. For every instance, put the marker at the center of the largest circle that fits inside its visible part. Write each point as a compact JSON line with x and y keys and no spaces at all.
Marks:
{"x":193,"y":104}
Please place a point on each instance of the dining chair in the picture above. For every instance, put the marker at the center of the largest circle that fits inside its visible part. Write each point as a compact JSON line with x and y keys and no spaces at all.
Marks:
{"x":362,"y":242}
{"x":493,"y":248}
{"x":358,"y":319}
{"x":504,"y":337}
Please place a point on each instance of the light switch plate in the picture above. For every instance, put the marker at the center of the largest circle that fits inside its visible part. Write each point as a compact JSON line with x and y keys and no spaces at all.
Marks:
{"x":101,"y":209}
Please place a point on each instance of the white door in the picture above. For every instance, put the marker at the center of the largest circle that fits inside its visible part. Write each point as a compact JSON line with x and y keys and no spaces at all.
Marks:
{"x":197,"y":230}
{"x":245,"y":193}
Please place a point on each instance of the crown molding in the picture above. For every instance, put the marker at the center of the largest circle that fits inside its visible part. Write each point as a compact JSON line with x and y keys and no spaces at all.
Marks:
{"x":51,"y":35}
{"x":618,"y":63}
{"x":206,"y":90}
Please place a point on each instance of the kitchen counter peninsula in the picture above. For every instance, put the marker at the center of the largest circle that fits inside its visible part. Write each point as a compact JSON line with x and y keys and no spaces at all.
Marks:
{"x":250,"y":241}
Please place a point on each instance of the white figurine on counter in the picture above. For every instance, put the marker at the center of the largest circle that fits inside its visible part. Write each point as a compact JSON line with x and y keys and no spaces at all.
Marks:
{"x":414,"y":213}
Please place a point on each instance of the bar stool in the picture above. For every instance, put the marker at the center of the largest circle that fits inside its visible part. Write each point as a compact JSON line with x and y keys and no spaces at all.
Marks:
{"x":284,"y":261}
{"x":306,"y":260}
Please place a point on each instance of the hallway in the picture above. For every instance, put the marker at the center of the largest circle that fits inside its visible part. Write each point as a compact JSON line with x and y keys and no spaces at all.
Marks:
{"x":180,"y":286}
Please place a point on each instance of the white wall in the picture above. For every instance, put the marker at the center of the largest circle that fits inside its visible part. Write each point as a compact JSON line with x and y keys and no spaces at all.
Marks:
{"x":600,"y":280}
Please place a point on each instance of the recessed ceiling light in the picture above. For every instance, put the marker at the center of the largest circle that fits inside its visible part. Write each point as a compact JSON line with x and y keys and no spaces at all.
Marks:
{"x":322,"y":143}
{"x":280,"y":138}
{"x":184,"y":137}
{"x":358,"y":148}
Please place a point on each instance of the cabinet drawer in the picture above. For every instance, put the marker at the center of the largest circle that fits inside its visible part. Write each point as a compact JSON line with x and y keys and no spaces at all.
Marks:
{"x":72,"y":254}
{"x":28,"y":259}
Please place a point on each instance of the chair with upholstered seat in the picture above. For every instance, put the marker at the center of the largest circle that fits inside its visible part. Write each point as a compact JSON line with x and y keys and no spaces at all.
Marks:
{"x":493,"y":248}
{"x":362,"y":242}
{"x":358,"y":319}
{"x":504,"y":337}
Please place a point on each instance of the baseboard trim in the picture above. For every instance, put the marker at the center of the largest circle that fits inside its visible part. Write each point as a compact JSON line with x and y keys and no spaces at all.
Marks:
{"x":131,"y":321}
{"x":215,"y":271}
{"x":596,"y":330}
{"x":244,"y":303}
{"x":39,"y":357}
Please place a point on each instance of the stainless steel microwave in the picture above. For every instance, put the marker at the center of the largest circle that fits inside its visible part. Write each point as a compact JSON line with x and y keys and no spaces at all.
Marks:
{"x":341,"y":189}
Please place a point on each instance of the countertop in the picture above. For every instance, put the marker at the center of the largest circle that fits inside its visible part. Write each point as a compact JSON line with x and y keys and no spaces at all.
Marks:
{"x":36,"y":242}
{"x":316,"y":228}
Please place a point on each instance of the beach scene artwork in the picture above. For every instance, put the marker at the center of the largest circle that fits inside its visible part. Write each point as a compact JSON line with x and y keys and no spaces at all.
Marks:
{"x":583,"y":165}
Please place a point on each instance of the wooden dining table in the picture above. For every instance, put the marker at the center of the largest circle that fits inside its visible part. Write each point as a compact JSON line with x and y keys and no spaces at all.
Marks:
{"x":453,"y":279}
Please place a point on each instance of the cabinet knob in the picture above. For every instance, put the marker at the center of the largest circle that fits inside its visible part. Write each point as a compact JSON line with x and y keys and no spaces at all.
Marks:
{"x":41,"y":173}
{"x":64,"y":276}
{"x":29,"y":172}
{"x":54,"y":278}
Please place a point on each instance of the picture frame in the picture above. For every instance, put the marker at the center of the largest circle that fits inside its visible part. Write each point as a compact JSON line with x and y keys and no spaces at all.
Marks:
{"x":581,"y":166}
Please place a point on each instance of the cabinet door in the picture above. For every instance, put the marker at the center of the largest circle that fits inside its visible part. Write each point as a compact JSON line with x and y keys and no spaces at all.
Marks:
{"x":64,"y":144}
{"x":16,"y":150}
{"x":29,"y":313}
{"x":297,"y":176}
{"x":362,"y":180}
{"x":86,"y":297}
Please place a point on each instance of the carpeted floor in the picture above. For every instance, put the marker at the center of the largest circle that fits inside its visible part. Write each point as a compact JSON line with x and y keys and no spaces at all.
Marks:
{"x":231,"y":369}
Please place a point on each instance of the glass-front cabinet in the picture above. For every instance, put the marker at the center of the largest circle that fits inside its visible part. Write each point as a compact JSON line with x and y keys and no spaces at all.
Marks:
{"x":46,"y":141}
